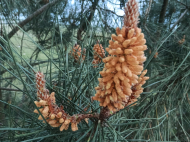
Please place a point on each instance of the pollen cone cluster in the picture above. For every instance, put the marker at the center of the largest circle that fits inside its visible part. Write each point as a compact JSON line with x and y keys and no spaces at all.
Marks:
{"x":52,"y":113}
{"x":121,"y":84}
{"x":99,"y":53}
{"x":76,"y":53}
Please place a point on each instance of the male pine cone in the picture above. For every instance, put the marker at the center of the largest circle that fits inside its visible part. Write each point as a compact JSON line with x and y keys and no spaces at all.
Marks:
{"x":99,"y":53}
{"x":53,"y":114}
{"x":120,"y":84}
{"x":76,"y":53}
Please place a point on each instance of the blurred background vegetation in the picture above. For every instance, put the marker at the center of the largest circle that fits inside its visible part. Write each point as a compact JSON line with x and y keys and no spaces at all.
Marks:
{"x":38,"y":35}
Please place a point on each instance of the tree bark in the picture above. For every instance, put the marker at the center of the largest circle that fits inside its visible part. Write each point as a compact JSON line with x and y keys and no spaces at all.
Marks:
{"x":162,"y":17}
{"x":163,"y":11}
{"x":30,"y":17}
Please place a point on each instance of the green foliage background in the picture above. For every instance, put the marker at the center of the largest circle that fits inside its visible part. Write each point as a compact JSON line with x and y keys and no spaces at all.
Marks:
{"x":43,"y":44}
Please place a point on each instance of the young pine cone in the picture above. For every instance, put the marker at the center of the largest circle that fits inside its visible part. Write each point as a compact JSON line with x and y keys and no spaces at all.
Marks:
{"x":99,"y":53}
{"x":182,"y":40}
{"x":76,"y":53}
{"x":53,"y":114}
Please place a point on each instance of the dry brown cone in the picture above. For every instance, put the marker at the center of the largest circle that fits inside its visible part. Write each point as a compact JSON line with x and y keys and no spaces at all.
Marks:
{"x":1,"y":48}
{"x":99,"y":53}
{"x":120,"y":84}
{"x":76,"y":53}
{"x":52,"y":113}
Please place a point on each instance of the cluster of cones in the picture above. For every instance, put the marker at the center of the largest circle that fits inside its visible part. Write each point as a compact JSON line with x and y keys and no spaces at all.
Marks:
{"x":77,"y":52}
{"x":122,"y":75}
{"x":51,"y":112}
{"x":99,"y":53}
{"x":121,"y":84}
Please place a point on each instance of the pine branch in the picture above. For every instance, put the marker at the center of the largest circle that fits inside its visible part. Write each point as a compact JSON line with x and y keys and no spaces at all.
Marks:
{"x":183,"y":4}
{"x":84,"y":25}
{"x":182,"y":15}
{"x":31,"y":17}
{"x":108,"y":10}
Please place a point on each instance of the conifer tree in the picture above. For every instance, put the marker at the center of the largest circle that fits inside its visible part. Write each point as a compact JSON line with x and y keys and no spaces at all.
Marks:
{"x":59,"y":42}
